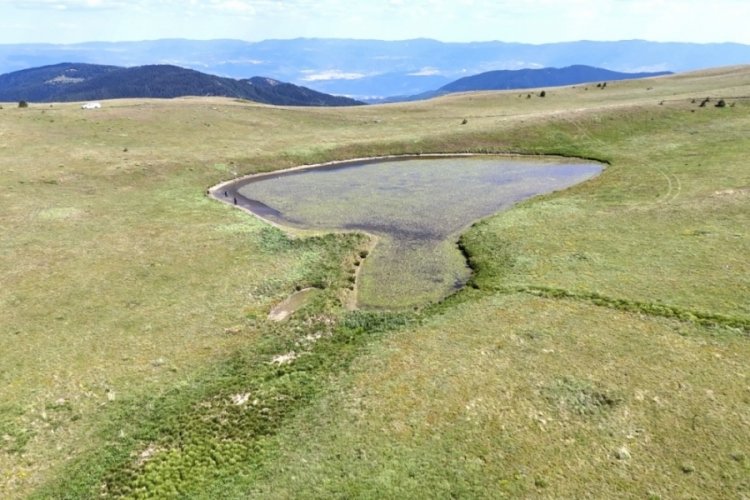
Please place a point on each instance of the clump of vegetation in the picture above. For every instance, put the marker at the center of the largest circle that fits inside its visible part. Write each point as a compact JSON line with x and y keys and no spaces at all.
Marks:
{"x":543,"y":93}
{"x":14,"y":434}
{"x":580,"y":397}
{"x":23,"y":104}
{"x":721,"y":103}
{"x":275,"y":240}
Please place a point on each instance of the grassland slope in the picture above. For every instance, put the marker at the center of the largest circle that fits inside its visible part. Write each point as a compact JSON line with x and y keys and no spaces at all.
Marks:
{"x":601,"y":351}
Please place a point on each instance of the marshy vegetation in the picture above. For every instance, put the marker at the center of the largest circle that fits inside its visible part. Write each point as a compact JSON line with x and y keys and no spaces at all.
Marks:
{"x":600,"y":351}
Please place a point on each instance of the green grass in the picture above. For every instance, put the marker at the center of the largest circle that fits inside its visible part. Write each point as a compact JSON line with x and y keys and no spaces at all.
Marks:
{"x":522,"y":396}
{"x":677,"y":196}
{"x":216,"y":427}
{"x":609,"y":315}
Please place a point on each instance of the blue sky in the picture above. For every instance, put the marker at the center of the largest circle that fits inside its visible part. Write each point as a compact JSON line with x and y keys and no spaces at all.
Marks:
{"x":529,"y":21}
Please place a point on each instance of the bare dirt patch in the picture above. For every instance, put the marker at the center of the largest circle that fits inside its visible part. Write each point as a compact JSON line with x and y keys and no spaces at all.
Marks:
{"x":291,"y":304}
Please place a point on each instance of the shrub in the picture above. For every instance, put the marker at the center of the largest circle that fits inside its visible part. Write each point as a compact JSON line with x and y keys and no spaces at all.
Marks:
{"x":721,"y":104}
{"x":543,"y":93}
{"x":23,"y":104}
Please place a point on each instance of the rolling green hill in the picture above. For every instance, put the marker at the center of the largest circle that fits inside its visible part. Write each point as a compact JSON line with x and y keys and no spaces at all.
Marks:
{"x":600,"y":351}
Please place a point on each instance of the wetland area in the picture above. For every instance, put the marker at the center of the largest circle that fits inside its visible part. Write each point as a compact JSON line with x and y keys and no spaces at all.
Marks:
{"x":415,"y":207}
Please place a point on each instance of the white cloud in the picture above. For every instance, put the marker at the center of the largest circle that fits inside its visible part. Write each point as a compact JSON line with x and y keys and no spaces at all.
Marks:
{"x":530,"y":21}
{"x":333,"y":74}
{"x":426,"y":72}
{"x":62,"y":5}
{"x":654,"y":68}
{"x":234,"y":6}
{"x":242,"y":61}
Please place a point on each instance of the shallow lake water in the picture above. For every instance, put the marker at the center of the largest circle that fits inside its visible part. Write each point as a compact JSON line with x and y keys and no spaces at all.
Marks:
{"x":417,"y":207}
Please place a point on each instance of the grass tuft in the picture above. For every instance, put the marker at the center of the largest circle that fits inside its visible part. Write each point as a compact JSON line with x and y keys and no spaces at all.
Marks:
{"x":580,"y":397}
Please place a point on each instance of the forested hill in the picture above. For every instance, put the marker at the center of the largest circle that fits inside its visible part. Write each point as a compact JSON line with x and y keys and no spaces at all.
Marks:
{"x":85,"y":82}
{"x":544,"y":77}
{"x":525,"y":79}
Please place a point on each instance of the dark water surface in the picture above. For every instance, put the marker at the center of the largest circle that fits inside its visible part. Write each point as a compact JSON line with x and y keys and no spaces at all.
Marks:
{"x":417,"y":207}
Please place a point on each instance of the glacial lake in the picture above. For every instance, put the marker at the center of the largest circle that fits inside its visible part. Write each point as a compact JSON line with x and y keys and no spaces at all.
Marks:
{"x":417,"y":207}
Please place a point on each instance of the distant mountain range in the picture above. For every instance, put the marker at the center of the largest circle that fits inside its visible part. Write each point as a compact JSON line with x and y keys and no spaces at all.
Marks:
{"x":375,"y":69}
{"x":528,"y":79}
{"x":86,"y":82}
{"x":545,"y":77}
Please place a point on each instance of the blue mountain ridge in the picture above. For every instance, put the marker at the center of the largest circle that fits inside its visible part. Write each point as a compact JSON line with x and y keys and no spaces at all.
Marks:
{"x":374,"y":68}
{"x":84,"y":82}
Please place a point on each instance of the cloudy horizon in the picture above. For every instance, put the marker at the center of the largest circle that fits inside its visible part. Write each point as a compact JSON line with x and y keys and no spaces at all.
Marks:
{"x":524,"y":21}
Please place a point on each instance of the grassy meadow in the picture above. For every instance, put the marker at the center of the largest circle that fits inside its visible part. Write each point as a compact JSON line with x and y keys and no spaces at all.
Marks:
{"x":600,"y":350}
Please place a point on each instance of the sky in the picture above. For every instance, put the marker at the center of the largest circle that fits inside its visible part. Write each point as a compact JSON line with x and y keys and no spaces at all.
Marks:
{"x":527,"y":21}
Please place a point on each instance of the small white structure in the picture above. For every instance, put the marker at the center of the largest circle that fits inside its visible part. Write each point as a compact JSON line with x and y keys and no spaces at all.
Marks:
{"x":91,"y":105}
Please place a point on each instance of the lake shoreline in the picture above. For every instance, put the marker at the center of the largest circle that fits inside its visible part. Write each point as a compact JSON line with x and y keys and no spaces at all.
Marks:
{"x":231,"y":192}
{"x":228,"y":191}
